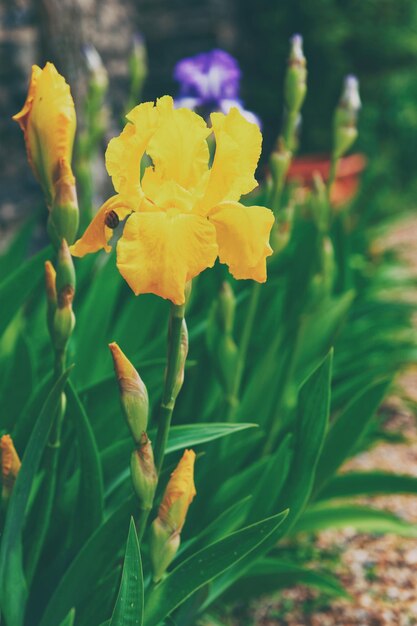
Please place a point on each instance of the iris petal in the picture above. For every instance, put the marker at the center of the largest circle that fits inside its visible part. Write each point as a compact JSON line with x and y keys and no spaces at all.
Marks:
{"x":243,"y":238}
{"x":160,"y":252}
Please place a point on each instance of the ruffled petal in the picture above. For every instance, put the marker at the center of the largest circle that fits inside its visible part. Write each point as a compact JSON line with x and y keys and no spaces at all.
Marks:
{"x":124,"y":153}
{"x":159,"y":252}
{"x":238,"y":148}
{"x":243,"y":238}
{"x":97,"y":234}
{"x":178,"y":148}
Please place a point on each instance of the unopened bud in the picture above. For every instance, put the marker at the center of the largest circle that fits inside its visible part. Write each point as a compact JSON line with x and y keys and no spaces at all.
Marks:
{"x":166,"y":528}
{"x":181,"y":360}
{"x":226,"y":308}
{"x":65,"y":276}
{"x":133,"y":393}
{"x":138,"y":65}
{"x":10,"y":466}
{"x":51,"y":297}
{"x":63,"y":326}
{"x":296,"y":76}
{"x":279,"y":163}
{"x":98,"y":74}
{"x":143,"y":473}
{"x":64,"y":214}
{"x":345,"y":118}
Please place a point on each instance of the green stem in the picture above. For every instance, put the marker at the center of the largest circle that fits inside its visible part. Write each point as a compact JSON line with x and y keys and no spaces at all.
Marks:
{"x":232,"y":401}
{"x":332,"y":176}
{"x":168,"y":396}
{"x":142,"y":522}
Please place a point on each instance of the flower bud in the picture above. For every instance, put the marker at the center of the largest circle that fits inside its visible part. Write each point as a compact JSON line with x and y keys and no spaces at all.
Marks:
{"x":65,"y":276}
{"x":143,"y":473}
{"x":226,"y":308}
{"x":64,"y":214}
{"x":166,"y":528}
{"x":295,"y":86}
{"x":181,"y":361}
{"x":48,"y":122}
{"x":51,"y":297}
{"x":133,"y":393}
{"x":63,"y":326}
{"x":138,"y":67}
{"x":99,"y":79}
{"x":345,"y":118}
{"x":10,"y":466}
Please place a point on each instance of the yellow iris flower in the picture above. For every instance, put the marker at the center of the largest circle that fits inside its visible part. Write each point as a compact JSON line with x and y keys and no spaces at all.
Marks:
{"x":48,"y":122}
{"x":182,"y":213}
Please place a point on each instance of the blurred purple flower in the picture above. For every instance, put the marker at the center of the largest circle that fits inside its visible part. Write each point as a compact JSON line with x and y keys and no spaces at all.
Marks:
{"x":210,"y":81}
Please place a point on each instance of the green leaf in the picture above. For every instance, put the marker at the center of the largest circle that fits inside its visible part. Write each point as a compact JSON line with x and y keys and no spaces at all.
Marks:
{"x":310,"y":430}
{"x":93,"y":331}
{"x":271,"y":482}
{"x":269,"y":575}
{"x":90,"y":500}
{"x":368,"y":483}
{"x":204,"y":566}
{"x":128,"y":610}
{"x":18,"y":382}
{"x":97,"y":556}
{"x":17,"y":287}
{"x":364,"y":519}
{"x":69,"y":619}
{"x":13,"y":591}
{"x":183,"y":436}
{"x":346,"y":431}
{"x":180,"y":437}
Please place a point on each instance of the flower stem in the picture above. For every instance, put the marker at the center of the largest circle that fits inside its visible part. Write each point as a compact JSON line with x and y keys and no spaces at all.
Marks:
{"x":243,"y":350}
{"x":168,"y":396}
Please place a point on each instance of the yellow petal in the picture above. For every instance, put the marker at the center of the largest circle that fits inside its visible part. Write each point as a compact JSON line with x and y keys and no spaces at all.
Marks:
{"x":238,"y":147}
{"x":159,"y":252}
{"x":124,"y":153}
{"x":243,"y":238}
{"x":178,"y":147}
{"x":179,"y":493}
{"x":165,"y":194}
{"x":48,"y":122}
{"x":97,"y":233}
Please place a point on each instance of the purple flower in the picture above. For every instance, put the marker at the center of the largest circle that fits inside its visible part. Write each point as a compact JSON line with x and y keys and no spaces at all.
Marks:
{"x":210,"y":81}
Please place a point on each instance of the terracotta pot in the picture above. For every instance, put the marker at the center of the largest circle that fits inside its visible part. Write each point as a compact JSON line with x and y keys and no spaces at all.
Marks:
{"x":303,"y":170}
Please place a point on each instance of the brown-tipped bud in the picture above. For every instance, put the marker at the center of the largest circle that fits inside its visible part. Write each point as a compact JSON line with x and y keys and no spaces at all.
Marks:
{"x":133,"y":393}
{"x":143,"y":471}
{"x":296,"y":77}
{"x":345,"y":118}
{"x":166,"y":528}
{"x":183,"y":352}
{"x":65,"y":276}
{"x":10,"y":466}
{"x":64,"y":214}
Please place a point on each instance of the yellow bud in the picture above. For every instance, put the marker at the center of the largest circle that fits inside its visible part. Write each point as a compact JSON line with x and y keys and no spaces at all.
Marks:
{"x":179,"y":493}
{"x":133,"y":393}
{"x":166,"y":528}
{"x":50,"y":282}
{"x":143,"y":473}
{"x":10,"y":465}
{"x":162,"y":549}
{"x":48,"y":122}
